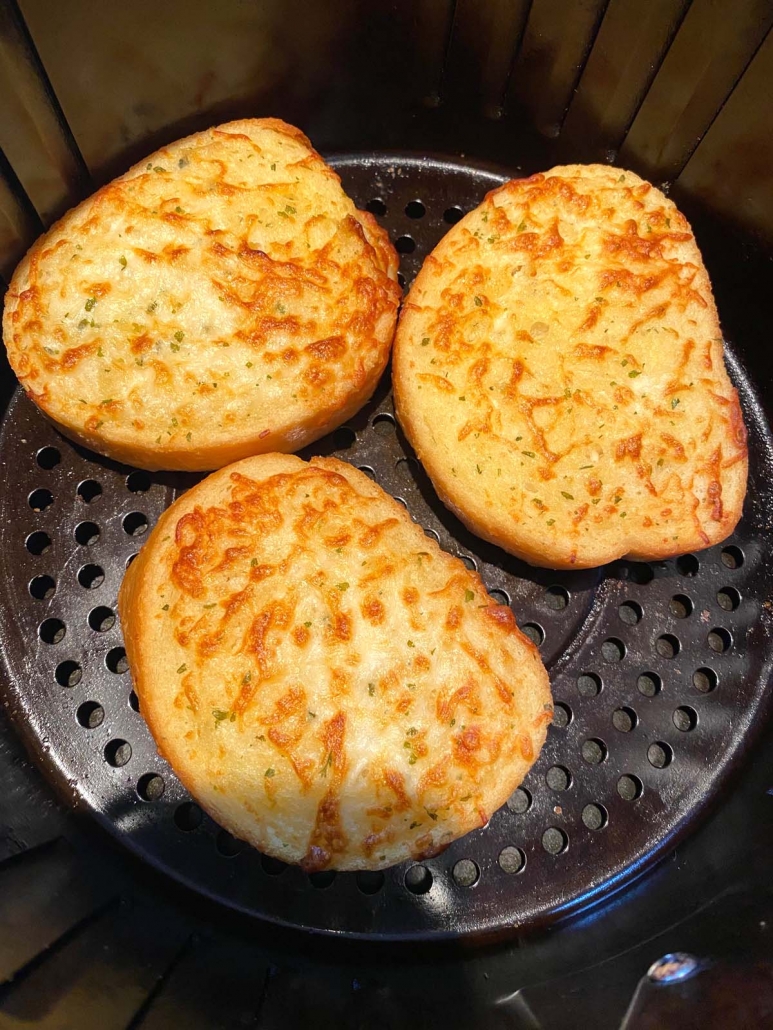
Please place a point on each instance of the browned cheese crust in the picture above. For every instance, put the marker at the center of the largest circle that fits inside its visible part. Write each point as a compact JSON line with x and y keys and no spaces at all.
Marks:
{"x":222,"y":298}
{"x":328,"y":684}
{"x":558,"y":368}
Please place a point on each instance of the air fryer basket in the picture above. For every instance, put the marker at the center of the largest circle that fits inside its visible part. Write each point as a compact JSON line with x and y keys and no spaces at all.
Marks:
{"x":660,"y":671}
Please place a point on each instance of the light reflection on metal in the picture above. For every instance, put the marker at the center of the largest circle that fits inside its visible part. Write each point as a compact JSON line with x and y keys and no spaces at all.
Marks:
{"x":673,"y":967}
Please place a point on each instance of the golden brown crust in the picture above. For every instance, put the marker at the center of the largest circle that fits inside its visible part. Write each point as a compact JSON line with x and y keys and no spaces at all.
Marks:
{"x":328,"y":683}
{"x":558,"y":368}
{"x":222,"y":298}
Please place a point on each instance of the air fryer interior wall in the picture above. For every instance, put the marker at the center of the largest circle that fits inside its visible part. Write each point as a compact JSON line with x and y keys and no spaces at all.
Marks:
{"x":676,"y":91}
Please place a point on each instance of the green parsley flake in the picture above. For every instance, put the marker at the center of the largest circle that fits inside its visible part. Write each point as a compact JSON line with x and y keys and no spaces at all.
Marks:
{"x":469,"y":595}
{"x":478,"y":301}
{"x":425,"y":341}
{"x":182,"y":669}
{"x":90,"y":303}
{"x":269,"y":773}
{"x":342,"y":586}
{"x":179,"y":335}
{"x":633,"y":374}
{"x":569,"y":497}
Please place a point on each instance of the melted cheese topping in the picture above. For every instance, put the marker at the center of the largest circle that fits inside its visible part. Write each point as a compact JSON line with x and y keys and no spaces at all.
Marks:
{"x":223,"y":298}
{"x":328,"y":683}
{"x":558,"y":368}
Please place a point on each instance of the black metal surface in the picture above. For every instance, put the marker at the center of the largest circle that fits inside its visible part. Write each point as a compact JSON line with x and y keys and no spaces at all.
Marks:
{"x":632,"y":648}
{"x":210,"y":969}
{"x":681,"y":87}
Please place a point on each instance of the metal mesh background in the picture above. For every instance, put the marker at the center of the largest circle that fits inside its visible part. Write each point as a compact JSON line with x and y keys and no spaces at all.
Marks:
{"x":659,"y":671}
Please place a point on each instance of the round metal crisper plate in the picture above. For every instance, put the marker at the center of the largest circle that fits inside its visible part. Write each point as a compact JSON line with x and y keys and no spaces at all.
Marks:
{"x":659,"y":671}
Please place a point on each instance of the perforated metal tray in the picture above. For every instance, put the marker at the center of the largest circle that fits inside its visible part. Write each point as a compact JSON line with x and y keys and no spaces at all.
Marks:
{"x":659,"y":671}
